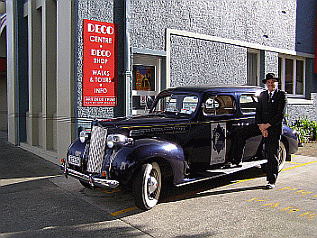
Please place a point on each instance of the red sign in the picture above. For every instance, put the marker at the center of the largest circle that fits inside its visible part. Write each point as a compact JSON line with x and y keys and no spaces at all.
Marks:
{"x":99,"y":64}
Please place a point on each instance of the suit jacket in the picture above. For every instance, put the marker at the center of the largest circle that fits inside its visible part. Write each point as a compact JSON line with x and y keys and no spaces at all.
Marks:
{"x":272,"y":111}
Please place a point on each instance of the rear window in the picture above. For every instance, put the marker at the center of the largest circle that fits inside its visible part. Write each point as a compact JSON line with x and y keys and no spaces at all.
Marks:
{"x":248,"y":103}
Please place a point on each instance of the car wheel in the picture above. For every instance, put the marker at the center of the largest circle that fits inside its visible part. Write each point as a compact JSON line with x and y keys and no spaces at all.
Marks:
{"x":282,"y":156}
{"x":147,"y":186}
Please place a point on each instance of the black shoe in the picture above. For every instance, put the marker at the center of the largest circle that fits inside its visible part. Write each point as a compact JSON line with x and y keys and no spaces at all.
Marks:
{"x":270,"y":186}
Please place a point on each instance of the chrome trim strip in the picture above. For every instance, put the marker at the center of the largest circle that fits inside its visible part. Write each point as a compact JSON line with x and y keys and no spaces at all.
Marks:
{"x":98,"y":182}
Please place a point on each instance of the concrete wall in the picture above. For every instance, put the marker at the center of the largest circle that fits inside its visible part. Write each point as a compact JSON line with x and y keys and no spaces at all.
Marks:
{"x":3,"y":85}
{"x":279,"y":23}
{"x":302,"y":109}
{"x":195,"y":61}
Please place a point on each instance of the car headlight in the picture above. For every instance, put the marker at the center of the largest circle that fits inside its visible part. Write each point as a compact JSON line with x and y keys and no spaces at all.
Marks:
{"x":118,"y":140}
{"x":83,"y":136}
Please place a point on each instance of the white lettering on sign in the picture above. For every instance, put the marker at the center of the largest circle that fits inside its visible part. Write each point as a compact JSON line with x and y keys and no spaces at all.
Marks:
{"x":101,"y":72}
{"x":100,"y":39}
{"x":100,"y":80}
{"x":100,"y":90}
{"x":102,"y":29}
{"x":100,"y":61}
{"x":103,"y":53}
{"x":98,"y":99}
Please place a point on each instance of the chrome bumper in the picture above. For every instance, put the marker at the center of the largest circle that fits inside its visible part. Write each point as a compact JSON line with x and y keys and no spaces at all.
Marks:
{"x":93,"y":181}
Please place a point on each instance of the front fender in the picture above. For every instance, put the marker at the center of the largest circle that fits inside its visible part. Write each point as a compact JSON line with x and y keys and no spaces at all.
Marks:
{"x":77,"y":148}
{"x":128,"y":159}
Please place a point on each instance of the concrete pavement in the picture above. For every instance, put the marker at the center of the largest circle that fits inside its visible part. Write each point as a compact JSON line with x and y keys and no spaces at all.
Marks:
{"x":33,"y":206}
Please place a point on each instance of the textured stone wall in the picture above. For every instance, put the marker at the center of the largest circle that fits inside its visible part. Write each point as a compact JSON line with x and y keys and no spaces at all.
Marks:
{"x":296,"y":111}
{"x":270,"y":23}
{"x":270,"y":63}
{"x":92,"y":10}
{"x":195,"y":61}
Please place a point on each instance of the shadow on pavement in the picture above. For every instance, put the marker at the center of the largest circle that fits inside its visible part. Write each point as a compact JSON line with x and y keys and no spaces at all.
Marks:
{"x":18,"y":163}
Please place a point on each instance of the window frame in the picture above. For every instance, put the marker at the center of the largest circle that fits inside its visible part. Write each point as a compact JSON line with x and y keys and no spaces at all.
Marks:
{"x":282,"y":74}
{"x":254,"y":66}
{"x":140,"y":96}
{"x":255,"y":100}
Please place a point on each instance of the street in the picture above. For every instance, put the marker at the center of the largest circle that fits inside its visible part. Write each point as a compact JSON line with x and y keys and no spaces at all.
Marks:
{"x":38,"y":201}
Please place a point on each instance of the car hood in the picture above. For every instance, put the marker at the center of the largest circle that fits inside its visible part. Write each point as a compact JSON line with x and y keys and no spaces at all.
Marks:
{"x":144,"y":120}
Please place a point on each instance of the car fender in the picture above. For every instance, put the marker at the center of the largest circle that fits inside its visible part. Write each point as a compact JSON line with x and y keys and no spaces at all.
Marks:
{"x":77,"y":148}
{"x":291,"y":138}
{"x":129,"y":158}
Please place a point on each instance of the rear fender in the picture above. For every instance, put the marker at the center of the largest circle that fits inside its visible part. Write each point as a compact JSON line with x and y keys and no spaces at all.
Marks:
{"x":129,"y":158}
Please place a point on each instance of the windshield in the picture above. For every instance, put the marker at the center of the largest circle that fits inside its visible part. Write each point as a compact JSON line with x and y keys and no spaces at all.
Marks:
{"x":176,"y":104}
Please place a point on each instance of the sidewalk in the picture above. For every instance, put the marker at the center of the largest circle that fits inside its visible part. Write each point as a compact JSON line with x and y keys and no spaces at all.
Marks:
{"x":32,"y":205}
{"x":29,"y":165}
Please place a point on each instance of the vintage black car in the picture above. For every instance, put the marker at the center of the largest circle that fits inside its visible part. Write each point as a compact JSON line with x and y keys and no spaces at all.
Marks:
{"x":184,"y":138}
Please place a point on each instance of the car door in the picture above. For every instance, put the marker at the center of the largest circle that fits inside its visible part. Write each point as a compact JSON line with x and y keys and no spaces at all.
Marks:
{"x":209,"y":134}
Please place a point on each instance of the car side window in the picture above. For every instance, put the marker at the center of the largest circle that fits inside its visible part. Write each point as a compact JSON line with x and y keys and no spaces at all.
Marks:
{"x":219,"y":105}
{"x":248,"y":103}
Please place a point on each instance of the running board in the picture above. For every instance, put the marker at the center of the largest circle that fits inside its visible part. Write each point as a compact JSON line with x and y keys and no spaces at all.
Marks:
{"x":215,"y":173}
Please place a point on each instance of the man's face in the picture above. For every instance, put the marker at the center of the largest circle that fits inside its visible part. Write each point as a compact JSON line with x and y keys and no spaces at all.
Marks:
{"x":271,"y":84}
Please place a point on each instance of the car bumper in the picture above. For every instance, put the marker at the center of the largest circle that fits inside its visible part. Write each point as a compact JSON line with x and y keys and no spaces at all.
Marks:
{"x":89,"y":179}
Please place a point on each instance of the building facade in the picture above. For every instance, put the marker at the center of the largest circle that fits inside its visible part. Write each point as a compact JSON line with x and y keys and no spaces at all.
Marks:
{"x":157,"y":44}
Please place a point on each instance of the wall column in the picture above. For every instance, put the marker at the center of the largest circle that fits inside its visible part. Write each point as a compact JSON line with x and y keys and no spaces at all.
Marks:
{"x":35,"y":72}
{"x":48,"y":74}
{"x":11,"y":72}
{"x":64,"y":77}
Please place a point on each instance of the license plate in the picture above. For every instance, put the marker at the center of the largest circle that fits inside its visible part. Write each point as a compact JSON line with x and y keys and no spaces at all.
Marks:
{"x":74,"y":160}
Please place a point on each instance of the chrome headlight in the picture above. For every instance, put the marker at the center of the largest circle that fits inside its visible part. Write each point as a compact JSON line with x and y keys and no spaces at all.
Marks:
{"x":83,"y":136}
{"x":118,"y":140}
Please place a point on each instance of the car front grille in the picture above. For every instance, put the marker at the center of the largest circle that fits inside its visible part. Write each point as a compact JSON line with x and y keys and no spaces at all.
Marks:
{"x":96,"y":149}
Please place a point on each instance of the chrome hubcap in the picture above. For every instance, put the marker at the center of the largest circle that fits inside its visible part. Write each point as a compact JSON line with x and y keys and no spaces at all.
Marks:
{"x":152,"y":184}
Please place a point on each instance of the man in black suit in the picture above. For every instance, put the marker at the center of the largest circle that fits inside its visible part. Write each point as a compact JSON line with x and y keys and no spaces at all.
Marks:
{"x":268,"y":122}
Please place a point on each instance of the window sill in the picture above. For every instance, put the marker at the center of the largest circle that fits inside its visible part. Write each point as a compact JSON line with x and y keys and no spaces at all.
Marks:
{"x":299,"y":101}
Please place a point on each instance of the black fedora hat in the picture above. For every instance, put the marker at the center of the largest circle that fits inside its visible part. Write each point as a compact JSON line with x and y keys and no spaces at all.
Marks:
{"x":270,"y":76}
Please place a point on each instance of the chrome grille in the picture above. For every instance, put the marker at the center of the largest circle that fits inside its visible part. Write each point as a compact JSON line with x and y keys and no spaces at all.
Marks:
{"x":96,"y":149}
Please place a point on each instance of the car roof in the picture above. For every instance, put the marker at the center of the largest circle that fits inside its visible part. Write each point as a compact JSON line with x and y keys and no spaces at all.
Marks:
{"x":214,"y":88}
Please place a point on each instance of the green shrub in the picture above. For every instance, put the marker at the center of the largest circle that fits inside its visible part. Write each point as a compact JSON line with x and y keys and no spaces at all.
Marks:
{"x":306,"y":129}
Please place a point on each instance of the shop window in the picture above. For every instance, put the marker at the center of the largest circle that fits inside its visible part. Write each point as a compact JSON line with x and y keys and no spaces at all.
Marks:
{"x":292,"y":74}
{"x":253,"y":67}
{"x":146,"y":82}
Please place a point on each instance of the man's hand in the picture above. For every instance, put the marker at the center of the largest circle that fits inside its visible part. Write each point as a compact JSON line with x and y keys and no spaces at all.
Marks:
{"x":263,"y":129}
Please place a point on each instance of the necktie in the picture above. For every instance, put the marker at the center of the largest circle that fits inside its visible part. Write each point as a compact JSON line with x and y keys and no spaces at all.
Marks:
{"x":270,"y":96}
